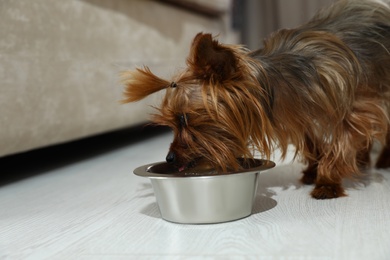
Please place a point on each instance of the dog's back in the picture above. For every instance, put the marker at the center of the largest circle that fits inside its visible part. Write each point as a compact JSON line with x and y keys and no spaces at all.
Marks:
{"x":365,"y":27}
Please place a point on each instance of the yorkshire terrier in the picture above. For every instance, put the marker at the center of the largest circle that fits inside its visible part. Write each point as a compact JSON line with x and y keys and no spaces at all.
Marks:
{"x":323,"y":87}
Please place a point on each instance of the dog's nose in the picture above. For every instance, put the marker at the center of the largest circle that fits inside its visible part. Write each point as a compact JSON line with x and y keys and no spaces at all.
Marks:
{"x":171,"y":157}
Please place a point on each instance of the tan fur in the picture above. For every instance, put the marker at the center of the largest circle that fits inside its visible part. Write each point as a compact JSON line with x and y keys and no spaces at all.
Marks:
{"x":323,"y":87}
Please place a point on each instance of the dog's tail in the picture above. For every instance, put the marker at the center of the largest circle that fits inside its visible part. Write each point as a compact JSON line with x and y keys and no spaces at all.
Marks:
{"x":140,"y":83}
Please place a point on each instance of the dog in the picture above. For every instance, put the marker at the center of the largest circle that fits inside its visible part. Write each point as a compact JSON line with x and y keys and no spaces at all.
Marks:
{"x":323,"y":87}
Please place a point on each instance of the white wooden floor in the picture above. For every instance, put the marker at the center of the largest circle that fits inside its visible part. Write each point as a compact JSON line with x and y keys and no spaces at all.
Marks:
{"x":93,"y":207}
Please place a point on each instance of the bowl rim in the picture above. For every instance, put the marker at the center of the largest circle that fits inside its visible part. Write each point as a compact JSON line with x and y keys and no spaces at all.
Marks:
{"x":144,"y":171}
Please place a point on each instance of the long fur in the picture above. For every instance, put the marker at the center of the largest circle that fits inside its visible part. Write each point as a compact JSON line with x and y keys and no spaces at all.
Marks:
{"x":323,"y":87}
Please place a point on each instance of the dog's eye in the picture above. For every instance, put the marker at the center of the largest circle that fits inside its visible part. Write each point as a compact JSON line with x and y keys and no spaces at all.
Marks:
{"x":183,"y":120}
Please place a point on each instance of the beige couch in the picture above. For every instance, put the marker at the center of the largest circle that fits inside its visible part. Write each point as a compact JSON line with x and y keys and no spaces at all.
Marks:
{"x":60,"y":61}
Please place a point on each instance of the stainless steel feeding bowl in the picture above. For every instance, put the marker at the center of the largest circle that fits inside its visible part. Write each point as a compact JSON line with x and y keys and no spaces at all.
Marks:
{"x":201,"y":195}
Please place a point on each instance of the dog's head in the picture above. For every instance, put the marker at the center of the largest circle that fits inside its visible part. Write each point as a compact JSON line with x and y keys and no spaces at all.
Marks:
{"x":215,"y":107}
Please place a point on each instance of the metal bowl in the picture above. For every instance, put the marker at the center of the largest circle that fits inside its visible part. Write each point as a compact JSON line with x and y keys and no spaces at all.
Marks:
{"x":201,"y":195}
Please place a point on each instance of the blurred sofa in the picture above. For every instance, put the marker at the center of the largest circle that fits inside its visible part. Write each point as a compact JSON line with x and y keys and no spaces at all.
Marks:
{"x":60,"y":62}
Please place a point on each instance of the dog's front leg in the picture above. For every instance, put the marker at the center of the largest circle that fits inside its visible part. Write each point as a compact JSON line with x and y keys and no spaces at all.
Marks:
{"x":328,"y":184}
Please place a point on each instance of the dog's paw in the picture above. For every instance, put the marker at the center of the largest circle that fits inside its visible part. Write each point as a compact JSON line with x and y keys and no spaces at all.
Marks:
{"x":328,"y":191}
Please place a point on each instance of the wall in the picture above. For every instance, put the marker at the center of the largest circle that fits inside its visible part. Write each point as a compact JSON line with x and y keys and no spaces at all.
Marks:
{"x":263,"y":17}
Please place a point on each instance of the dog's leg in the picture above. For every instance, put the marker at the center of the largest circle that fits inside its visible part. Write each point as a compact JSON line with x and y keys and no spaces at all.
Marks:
{"x":311,"y":155}
{"x":330,"y":172}
{"x":328,"y":176}
{"x":384,"y":158}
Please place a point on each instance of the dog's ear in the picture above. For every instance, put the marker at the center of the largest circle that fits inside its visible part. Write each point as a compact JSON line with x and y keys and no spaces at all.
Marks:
{"x":141,"y":83}
{"x":210,"y":59}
